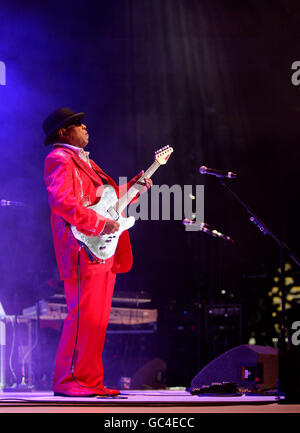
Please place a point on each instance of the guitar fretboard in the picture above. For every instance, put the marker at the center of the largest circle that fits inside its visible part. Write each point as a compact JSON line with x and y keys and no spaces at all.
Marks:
{"x":132,"y":192}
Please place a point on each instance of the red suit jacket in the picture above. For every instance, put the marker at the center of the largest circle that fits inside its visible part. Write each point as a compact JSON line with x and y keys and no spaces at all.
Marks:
{"x":73,"y":185}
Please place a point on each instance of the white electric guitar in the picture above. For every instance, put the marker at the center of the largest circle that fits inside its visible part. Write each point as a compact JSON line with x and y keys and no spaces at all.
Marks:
{"x":109,"y":206}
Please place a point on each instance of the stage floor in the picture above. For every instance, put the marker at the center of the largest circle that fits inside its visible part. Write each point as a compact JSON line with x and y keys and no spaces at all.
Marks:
{"x":140,"y":401}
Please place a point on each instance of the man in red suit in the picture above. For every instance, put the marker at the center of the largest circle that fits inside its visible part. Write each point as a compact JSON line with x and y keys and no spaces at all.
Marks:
{"x":74,"y":182}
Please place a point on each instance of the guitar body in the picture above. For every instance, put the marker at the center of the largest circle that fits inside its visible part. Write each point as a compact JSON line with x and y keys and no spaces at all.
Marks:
{"x":109,"y":206}
{"x":104,"y":246}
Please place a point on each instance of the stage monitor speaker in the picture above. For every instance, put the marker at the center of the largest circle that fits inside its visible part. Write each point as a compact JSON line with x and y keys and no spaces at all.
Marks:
{"x":151,"y":375}
{"x":245,"y":365}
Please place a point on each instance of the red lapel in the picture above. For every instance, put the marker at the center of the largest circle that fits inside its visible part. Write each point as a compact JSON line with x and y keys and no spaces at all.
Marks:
{"x":83,"y":165}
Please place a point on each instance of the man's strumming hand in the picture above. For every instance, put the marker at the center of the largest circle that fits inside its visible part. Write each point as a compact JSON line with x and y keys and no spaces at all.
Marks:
{"x":110,"y":226}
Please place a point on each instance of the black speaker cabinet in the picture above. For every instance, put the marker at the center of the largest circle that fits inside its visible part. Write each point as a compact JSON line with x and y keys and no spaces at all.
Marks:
{"x":245,"y":365}
{"x":289,"y":375}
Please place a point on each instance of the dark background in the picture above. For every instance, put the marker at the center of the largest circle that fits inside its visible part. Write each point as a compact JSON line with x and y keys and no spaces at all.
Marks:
{"x":210,"y":78}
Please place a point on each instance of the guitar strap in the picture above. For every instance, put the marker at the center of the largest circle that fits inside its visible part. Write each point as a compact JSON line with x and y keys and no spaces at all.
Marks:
{"x":101,"y":177}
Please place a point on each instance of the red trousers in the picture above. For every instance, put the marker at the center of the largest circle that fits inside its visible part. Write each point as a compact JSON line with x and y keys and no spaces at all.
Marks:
{"x":96,"y":293}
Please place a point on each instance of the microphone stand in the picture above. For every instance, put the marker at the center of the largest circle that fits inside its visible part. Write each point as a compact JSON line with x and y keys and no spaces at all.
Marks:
{"x":284,"y":250}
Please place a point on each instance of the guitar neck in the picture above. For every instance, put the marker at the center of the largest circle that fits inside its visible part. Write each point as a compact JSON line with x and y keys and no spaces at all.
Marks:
{"x":132,"y":192}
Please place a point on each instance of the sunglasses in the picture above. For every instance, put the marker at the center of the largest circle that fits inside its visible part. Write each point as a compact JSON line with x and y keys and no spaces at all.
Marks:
{"x":77,"y":123}
{"x":74,"y":123}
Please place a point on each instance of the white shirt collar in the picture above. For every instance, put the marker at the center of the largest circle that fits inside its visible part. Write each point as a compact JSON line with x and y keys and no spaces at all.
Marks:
{"x":82,"y":153}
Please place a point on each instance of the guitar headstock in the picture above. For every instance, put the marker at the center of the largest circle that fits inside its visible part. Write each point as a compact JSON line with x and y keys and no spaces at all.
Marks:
{"x":162,"y":155}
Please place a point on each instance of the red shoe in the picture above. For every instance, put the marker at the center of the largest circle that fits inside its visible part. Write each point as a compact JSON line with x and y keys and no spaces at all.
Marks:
{"x":76,"y":391}
{"x":111,"y":392}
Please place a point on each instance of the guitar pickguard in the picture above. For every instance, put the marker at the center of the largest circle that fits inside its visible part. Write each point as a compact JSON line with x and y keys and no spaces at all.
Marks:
{"x":104,"y":246}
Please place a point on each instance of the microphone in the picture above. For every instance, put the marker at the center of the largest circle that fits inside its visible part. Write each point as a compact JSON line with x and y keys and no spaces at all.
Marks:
{"x":218,"y":173}
{"x":205,"y":228}
{"x":11,"y":203}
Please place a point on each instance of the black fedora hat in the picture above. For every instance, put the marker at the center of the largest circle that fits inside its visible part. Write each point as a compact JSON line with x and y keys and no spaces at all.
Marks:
{"x":59,"y":118}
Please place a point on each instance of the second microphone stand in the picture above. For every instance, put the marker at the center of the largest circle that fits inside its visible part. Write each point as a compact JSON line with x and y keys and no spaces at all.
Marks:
{"x":284,"y":250}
